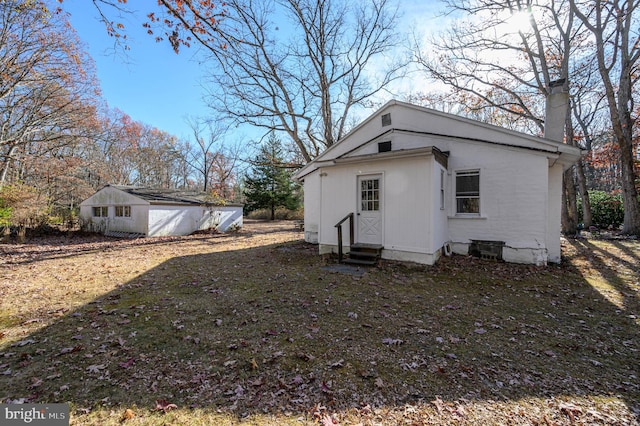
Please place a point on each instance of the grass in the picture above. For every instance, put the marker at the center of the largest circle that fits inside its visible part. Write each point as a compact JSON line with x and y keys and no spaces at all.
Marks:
{"x":252,"y":328}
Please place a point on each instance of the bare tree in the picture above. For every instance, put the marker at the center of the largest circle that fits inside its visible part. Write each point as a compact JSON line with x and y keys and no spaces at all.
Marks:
{"x":47,"y":90}
{"x":615,"y":25}
{"x":296,"y":66}
{"x":503,"y":62}
{"x":208,"y":158}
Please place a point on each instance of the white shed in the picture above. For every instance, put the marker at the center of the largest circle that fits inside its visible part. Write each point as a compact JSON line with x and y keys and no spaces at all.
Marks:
{"x":116,"y":209}
{"x":418,"y":183}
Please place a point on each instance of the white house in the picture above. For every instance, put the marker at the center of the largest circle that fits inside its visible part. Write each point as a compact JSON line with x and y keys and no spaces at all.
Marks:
{"x":116,"y":210}
{"x":419,"y":183}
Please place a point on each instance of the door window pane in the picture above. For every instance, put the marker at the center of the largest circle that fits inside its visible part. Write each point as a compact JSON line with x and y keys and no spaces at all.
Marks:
{"x":370,"y":194}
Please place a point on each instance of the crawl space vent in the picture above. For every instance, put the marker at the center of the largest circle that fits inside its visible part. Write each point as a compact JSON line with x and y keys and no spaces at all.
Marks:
{"x":491,"y":250}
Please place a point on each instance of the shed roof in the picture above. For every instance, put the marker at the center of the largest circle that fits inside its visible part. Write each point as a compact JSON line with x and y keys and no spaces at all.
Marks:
{"x":173,"y":196}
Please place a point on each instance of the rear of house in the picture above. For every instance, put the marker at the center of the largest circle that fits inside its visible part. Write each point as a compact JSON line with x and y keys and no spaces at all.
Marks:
{"x":421,"y":183}
{"x":118,"y":209}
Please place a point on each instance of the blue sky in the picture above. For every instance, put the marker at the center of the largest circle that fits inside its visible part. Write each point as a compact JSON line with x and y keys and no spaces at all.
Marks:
{"x":150,"y":82}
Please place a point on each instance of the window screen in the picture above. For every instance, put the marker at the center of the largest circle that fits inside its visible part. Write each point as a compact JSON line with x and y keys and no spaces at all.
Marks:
{"x":468,"y":192}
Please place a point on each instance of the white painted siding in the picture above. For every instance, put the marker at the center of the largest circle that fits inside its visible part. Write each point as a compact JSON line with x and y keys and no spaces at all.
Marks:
{"x":408,"y":189}
{"x":154,"y":219}
{"x":312,"y":202}
{"x":439,"y":222}
{"x":554,"y":218}
{"x":111,"y":197}
{"x":337,"y":194}
{"x":184,"y":220}
{"x":174,"y":220}
{"x":226,"y":217}
{"x":513,"y":201}
{"x":520,"y":186}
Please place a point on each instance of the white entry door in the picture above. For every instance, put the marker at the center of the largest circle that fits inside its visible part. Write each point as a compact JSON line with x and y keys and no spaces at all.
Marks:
{"x":369,"y":216}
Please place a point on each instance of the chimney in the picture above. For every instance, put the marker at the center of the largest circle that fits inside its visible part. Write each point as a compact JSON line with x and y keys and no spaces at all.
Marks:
{"x":556,"y":111}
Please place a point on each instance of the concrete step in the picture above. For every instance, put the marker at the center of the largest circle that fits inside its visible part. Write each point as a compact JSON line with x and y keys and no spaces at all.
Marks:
{"x":361,"y":262}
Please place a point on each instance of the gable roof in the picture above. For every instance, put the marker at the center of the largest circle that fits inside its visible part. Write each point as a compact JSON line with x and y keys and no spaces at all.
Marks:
{"x":427,"y":122}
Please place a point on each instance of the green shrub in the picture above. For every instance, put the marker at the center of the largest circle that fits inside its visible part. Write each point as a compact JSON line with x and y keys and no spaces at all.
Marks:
{"x":606,"y":209}
{"x":5,"y":215}
{"x":280,"y":214}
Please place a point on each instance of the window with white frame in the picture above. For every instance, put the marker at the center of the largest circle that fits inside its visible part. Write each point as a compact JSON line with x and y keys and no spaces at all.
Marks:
{"x":468,"y":192}
{"x":123,"y":211}
{"x":101,"y":211}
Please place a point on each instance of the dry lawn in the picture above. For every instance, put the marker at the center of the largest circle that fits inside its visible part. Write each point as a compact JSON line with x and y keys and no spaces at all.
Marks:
{"x":252,"y":328}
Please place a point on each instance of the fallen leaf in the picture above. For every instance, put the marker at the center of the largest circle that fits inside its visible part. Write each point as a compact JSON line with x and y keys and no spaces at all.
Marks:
{"x":337,"y":364}
{"x":329,"y":421}
{"x":326,"y":387}
{"x":127,"y":415}
{"x":439,"y":403}
{"x":69,"y":350}
{"x":96,"y":368}
{"x":258,"y":382}
{"x":128,"y":363}
{"x":239,"y":391}
{"x":165,"y":406}
{"x":305,"y":357}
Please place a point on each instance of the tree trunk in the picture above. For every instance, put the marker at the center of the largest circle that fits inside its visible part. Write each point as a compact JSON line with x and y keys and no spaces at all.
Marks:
{"x":569,"y":195}
{"x":6,"y":165}
{"x":569,"y":204}
{"x":631,"y":224}
{"x":22,"y":234}
{"x":587,"y":221}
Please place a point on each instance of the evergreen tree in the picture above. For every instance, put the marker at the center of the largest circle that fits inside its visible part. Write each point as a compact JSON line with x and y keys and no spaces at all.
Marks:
{"x":269,"y":184}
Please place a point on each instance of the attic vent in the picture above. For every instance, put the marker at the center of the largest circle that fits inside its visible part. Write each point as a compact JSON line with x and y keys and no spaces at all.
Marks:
{"x":384,"y":146}
{"x":386,"y":120}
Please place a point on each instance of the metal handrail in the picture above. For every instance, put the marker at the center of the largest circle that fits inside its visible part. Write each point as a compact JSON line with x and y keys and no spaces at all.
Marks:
{"x":339,"y":226}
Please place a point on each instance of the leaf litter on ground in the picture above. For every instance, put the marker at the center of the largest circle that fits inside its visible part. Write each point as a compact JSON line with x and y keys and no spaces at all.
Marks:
{"x":248,"y":327}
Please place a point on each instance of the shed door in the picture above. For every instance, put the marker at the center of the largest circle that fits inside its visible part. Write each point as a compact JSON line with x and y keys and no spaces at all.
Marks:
{"x":369,"y":217}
